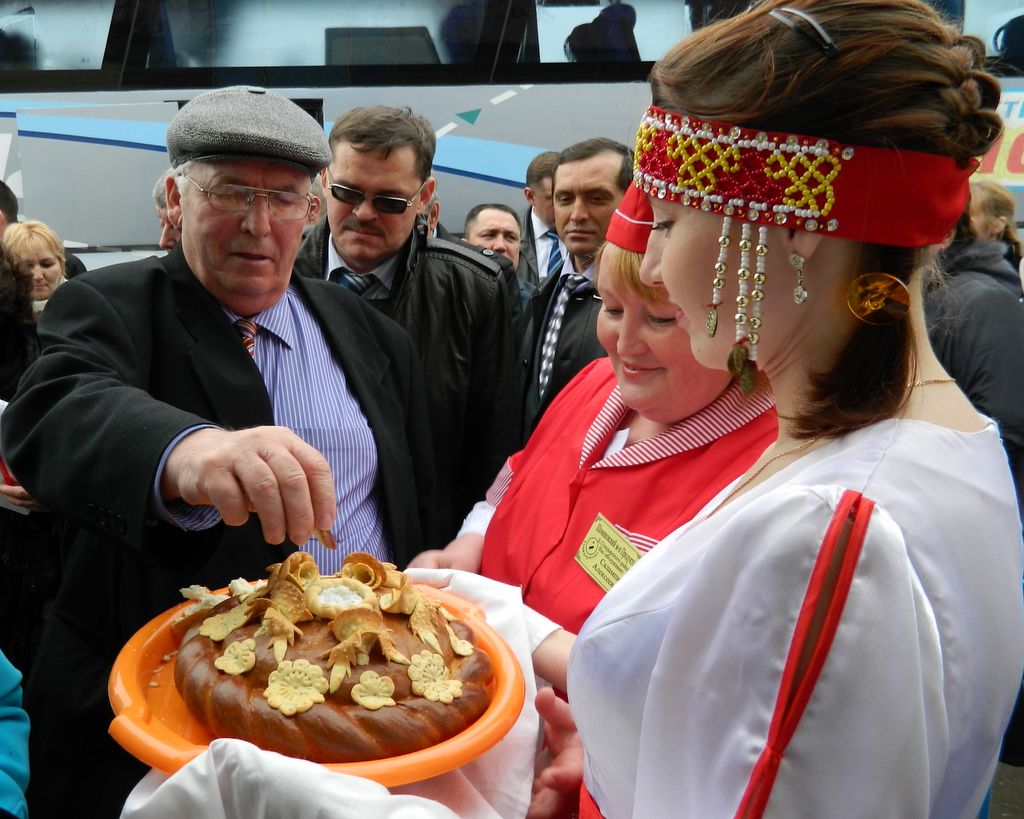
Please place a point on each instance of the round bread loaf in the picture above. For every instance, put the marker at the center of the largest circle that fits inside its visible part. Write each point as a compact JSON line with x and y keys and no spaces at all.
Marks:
{"x":333,"y":669}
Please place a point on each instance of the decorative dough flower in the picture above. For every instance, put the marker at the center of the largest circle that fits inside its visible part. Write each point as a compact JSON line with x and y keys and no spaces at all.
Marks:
{"x":289,"y":599}
{"x":402,"y":598}
{"x":295,"y":687}
{"x":299,"y":568}
{"x":238,"y":657}
{"x":365,"y":568}
{"x":461,"y":647}
{"x":430,"y":678}
{"x":221,"y":625}
{"x":373,"y":691}
{"x":423,"y":622}
{"x":281,"y":631}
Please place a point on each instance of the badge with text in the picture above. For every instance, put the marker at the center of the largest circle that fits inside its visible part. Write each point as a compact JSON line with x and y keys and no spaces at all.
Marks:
{"x":605,"y":554}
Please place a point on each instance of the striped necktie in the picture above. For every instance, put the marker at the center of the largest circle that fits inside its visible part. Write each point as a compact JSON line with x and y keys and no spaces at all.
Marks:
{"x":248,"y":329}
{"x":568,"y":283}
{"x":353,"y":281}
{"x":555,"y":258}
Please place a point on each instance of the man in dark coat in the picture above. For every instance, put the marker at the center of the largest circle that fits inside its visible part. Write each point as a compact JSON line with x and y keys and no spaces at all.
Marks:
{"x":451,"y":299}
{"x":196,"y":417}
{"x":541,"y":252}
{"x":590,"y":180}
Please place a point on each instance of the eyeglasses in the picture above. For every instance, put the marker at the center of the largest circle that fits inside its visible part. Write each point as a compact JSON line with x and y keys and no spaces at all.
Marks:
{"x":234,"y":198}
{"x":382,"y":204}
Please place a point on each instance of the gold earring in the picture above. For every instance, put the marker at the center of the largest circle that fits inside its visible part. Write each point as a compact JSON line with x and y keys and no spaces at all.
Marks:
{"x":878,"y":298}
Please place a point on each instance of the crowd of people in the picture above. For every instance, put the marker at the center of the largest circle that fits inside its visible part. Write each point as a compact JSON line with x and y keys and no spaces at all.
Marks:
{"x":737,"y":408}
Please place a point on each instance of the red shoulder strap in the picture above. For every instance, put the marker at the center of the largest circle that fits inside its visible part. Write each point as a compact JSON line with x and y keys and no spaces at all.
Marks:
{"x":816,"y":626}
{"x":588,"y":807}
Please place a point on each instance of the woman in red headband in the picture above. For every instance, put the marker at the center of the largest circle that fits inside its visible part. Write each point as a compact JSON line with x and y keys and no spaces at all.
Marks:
{"x":840,"y":631}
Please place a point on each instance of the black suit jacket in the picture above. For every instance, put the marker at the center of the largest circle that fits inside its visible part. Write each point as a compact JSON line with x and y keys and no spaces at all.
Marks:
{"x":133,"y":355}
{"x":577,"y":346}
{"x":528,"y":250}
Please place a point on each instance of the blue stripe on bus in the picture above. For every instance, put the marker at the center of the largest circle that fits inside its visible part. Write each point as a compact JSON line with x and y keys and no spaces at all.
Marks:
{"x":118,"y":143}
{"x":141,"y":133}
{"x":511,"y":183}
{"x":503,"y":163}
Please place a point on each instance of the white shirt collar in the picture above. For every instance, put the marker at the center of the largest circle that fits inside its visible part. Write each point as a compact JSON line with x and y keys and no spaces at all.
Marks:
{"x":385,"y":272}
{"x":539,"y":228}
{"x":570,"y":267}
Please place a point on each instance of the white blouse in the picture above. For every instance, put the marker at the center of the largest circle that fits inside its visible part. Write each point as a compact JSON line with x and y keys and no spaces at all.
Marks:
{"x":674,"y":678}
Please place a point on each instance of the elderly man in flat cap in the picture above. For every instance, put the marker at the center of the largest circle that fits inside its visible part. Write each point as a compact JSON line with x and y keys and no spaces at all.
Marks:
{"x":200,"y":416}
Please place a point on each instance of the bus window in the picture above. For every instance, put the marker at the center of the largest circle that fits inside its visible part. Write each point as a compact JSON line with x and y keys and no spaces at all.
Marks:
{"x":47,"y":36}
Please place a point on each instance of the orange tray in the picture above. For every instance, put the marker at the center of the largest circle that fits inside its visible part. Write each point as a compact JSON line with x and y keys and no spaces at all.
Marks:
{"x":153,"y":723}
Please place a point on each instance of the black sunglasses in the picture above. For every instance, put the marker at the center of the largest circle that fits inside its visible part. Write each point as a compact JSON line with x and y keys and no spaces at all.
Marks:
{"x":382,"y":204}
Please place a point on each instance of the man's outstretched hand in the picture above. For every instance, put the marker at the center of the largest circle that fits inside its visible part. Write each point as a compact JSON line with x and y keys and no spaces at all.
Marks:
{"x":266,"y":470}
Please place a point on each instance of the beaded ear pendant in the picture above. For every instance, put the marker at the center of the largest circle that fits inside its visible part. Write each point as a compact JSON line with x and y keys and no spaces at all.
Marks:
{"x":742,"y":367}
{"x":711,"y":326}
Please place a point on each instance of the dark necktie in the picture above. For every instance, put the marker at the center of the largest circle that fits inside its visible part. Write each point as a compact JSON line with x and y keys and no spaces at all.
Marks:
{"x":248,"y":329}
{"x":569,"y":282}
{"x":353,"y":281}
{"x":555,"y":258}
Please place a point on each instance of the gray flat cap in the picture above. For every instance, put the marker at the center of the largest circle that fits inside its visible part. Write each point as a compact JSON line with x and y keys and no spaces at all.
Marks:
{"x":242,"y":122}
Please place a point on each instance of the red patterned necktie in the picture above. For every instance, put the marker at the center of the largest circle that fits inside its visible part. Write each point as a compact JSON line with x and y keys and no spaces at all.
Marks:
{"x":248,"y":329}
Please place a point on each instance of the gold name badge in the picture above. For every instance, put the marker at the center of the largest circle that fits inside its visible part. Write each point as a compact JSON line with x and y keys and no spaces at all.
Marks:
{"x":605,"y":554}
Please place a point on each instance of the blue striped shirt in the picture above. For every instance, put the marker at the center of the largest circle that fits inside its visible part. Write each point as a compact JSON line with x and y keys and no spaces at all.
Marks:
{"x":310,"y":396}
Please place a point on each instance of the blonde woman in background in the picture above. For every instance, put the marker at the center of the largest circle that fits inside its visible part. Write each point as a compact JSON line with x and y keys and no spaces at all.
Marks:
{"x":992,"y":217}
{"x":35,"y":243}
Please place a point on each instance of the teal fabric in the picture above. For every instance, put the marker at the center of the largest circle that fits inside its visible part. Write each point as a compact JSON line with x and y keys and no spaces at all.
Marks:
{"x":13,"y":742}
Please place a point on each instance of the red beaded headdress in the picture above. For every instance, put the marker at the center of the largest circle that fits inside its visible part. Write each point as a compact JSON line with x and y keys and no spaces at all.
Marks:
{"x":878,"y":195}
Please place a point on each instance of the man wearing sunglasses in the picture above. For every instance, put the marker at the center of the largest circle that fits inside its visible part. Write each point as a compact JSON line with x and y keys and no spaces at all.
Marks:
{"x":447,"y":295}
{"x":176,"y":396}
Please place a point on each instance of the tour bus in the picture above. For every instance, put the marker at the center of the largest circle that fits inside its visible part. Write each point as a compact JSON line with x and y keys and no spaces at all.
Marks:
{"x":87,"y":87}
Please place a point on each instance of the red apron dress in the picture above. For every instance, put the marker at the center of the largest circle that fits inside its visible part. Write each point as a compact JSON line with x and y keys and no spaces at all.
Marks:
{"x":549,"y":494}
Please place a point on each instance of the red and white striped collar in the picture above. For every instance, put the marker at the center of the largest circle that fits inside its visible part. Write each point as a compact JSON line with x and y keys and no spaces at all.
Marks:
{"x":730,"y":411}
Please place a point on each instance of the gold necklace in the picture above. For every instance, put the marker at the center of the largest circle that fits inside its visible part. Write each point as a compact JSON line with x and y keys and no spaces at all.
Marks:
{"x":753,"y":475}
{"x":924,"y":382}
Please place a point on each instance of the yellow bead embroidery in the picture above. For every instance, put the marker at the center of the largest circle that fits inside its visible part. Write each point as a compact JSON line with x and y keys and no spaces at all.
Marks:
{"x":644,"y":140}
{"x":810,"y":177}
{"x":700,"y":160}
